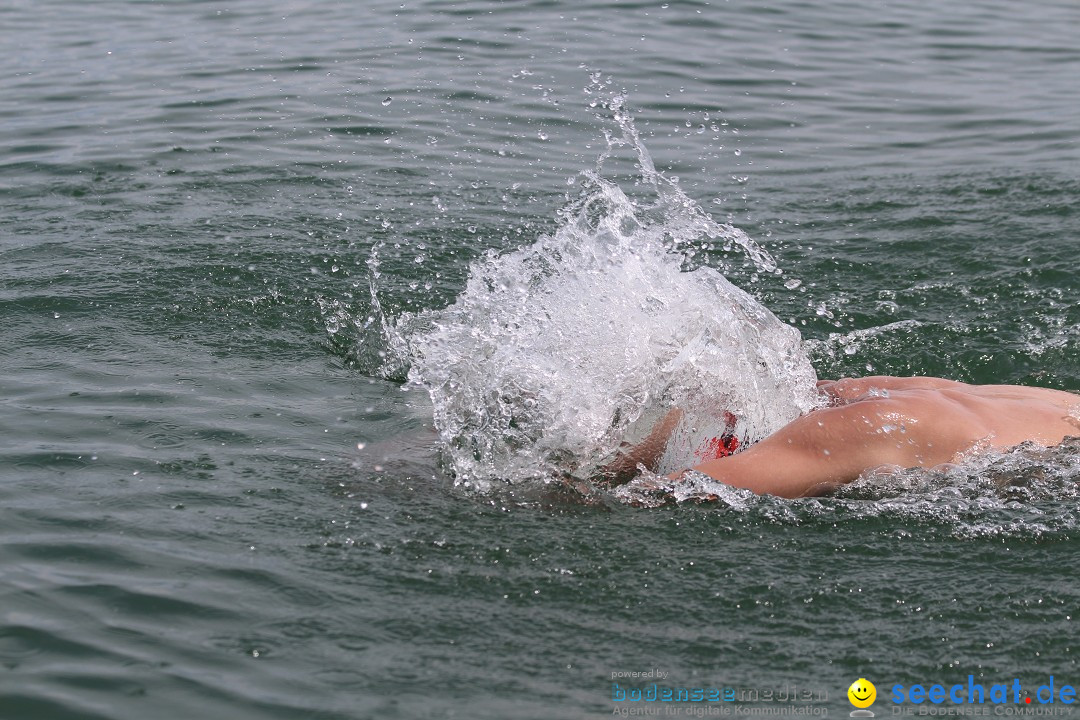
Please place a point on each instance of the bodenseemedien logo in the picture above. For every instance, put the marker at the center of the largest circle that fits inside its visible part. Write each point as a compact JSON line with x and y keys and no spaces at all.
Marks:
{"x":862,"y":694}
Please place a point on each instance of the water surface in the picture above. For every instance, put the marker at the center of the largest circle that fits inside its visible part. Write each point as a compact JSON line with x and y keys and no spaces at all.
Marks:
{"x":189,"y":196}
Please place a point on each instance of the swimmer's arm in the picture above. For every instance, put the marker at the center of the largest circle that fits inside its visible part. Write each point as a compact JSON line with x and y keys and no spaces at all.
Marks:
{"x":784,"y":472}
{"x":647,"y":452}
{"x":812,"y":455}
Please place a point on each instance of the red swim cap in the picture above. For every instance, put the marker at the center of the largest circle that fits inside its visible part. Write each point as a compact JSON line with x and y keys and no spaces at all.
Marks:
{"x":717,"y":447}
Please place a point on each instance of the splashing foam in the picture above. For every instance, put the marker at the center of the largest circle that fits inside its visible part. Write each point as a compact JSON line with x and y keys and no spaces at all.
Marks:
{"x":557,"y":352}
{"x":1027,"y":492}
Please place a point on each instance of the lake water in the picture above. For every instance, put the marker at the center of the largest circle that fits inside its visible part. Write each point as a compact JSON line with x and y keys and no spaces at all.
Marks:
{"x":220,"y":499}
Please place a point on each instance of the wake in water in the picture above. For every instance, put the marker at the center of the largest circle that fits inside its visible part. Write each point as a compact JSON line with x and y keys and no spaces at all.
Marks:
{"x":1030,"y":491}
{"x":557,"y":352}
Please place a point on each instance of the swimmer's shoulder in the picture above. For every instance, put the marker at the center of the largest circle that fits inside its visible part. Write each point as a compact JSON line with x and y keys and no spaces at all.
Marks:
{"x":850,"y":389}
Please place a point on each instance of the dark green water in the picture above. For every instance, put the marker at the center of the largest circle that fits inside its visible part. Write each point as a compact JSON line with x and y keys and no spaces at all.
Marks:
{"x":189,"y":192}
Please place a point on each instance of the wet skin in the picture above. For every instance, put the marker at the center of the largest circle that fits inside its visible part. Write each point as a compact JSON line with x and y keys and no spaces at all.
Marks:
{"x":911,"y":422}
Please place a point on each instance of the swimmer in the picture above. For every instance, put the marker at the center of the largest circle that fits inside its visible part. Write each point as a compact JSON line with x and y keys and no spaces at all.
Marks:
{"x":871,"y":422}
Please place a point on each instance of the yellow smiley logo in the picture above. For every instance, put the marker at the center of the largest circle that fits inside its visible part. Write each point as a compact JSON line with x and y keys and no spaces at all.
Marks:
{"x":862,"y":693}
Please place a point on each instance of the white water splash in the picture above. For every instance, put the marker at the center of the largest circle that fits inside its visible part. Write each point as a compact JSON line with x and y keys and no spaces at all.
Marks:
{"x":555,"y":353}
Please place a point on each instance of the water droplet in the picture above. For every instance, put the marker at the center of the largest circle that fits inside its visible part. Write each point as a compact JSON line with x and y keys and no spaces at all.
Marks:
{"x":387,"y":101}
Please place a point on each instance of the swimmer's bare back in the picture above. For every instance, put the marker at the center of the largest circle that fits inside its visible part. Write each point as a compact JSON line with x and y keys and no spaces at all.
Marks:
{"x":910,"y":422}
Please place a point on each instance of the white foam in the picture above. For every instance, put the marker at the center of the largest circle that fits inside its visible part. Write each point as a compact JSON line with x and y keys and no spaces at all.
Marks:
{"x":556,"y":352}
